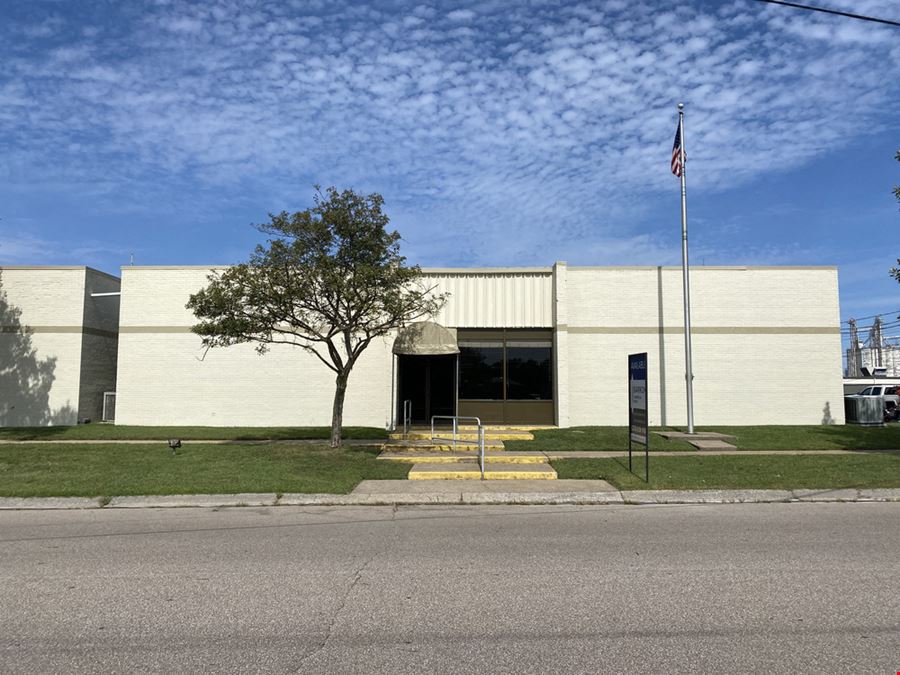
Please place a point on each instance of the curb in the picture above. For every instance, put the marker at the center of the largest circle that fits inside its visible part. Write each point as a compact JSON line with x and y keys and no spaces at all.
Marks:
{"x":630,"y":497}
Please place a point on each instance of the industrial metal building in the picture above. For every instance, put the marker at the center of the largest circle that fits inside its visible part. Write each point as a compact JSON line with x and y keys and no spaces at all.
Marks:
{"x":544,"y":345}
{"x":58,"y":340}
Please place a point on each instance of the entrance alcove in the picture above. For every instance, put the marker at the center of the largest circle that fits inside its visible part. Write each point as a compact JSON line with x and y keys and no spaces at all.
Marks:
{"x":427,"y":361}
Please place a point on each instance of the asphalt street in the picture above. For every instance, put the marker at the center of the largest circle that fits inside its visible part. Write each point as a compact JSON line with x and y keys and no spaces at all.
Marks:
{"x":777,"y":588}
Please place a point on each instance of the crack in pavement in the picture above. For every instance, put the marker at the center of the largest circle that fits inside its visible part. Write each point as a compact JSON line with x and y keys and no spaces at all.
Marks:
{"x":357,"y":575}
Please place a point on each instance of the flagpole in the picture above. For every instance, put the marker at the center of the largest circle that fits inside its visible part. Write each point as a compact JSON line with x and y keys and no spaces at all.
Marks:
{"x":688,"y":370}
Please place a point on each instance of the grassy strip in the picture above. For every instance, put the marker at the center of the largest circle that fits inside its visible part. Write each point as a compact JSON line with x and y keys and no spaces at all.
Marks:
{"x":103,"y":432}
{"x":589,"y":438}
{"x":747,"y":471}
{"x":87,"y":471}
{"x":811,"y":437}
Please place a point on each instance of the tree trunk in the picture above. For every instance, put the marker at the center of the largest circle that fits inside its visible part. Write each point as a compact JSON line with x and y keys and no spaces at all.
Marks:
{"x":337,"y":413}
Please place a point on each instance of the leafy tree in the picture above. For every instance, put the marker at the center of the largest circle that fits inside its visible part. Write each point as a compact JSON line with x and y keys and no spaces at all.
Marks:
{"x":329,"y":281}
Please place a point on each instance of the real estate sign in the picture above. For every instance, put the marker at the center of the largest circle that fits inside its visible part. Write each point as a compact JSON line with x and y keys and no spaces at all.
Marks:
{"x":637,"y":408}
{"x":637,"y":397}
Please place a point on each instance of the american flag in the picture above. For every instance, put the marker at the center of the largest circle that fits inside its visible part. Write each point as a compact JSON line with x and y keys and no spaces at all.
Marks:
{"x":676,"y":153}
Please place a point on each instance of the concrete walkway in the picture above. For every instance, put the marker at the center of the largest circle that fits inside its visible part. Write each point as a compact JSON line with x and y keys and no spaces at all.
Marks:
{"x":402,"y":492}
{"x":278,"y":441}
{"x":605,"y":454}
{"x":548,"y":454}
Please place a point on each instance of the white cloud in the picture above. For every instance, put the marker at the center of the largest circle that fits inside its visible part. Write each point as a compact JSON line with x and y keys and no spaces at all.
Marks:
{"x":461,"y":15}
{"x":24,"y":249}
{"x":555,"y":123}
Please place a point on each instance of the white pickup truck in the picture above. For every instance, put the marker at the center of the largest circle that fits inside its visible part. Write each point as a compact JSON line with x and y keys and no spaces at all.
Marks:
{"x":891,"y":394}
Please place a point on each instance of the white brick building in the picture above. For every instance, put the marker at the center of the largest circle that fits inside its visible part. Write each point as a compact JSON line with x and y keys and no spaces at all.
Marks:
{"x":537,"y":345}
{"x":57,"y":344}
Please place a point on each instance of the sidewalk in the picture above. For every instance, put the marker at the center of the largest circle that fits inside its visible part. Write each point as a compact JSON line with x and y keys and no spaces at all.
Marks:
{"x":548,"y":454}
{"x":520,"y":492}
{"x":208,"y":441}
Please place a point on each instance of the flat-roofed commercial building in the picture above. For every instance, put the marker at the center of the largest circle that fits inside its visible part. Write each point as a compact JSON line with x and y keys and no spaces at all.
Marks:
{"x":521,"y":346}
{"x":58,"y":342}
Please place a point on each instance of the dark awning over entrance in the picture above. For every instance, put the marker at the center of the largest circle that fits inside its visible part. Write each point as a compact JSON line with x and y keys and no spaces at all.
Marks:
{"x":425,"y":338}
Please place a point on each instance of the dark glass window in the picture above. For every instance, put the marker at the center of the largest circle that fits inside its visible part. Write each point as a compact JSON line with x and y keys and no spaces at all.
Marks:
{"x":528,"y":372}
{"x":481,"y":371}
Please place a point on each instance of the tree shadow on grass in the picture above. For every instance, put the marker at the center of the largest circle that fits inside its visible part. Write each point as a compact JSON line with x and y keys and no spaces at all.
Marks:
{"x":25,"y":379}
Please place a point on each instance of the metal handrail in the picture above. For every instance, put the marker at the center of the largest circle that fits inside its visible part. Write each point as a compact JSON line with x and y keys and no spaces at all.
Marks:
{"x":456,"y":419}
{"x":407,"y":416}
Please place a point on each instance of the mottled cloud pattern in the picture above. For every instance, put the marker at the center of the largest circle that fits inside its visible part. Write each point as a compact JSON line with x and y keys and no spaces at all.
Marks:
{"x":497,"y":130}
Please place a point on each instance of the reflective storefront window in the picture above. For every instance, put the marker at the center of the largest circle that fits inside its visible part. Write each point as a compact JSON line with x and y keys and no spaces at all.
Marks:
{"x":481,"y":370}
{"x":528,"y":371}
{"x":526,"y":374}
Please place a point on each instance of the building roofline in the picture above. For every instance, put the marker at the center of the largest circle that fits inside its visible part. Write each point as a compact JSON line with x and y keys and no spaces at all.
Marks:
{"x":86,"y":268}
{"x":527,"y":270}
{"x":487,"y":270}
{"x":174,"y":267}
{"x":703,"y":267}
{"x":426,"y":270}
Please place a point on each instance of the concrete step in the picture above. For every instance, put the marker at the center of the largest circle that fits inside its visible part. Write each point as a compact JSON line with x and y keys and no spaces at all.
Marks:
{"x":487,"y":427}
{"x":464,"y":436}
{"x":461,"y":457}
{"x":471,"y":471}
{"x":428,"y":446}
{"x":491,"y":427}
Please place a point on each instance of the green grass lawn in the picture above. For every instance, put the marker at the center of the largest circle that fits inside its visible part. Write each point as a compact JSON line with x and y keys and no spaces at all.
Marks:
{"x":112,"y":470}
{"x":812,"y":437}
{"x":589,"y":438}
{"x":863,"y":470}
{"x":102,"y":432}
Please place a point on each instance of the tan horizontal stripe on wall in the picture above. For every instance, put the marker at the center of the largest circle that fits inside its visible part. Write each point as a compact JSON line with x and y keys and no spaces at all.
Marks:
{"x":154,"y":329}
{"x":607,"y":330}
{"x":60,"y":329}
{"x":707,"y":330}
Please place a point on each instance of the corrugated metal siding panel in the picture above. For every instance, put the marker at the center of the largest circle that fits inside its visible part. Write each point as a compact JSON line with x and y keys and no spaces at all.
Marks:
{"x":495,"y":300}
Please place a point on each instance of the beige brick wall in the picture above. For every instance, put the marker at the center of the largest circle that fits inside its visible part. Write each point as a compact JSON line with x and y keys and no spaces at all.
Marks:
{"x":766,"y":344}
{"x":42,"y":384}
{"x":165,"y":378}
{"x":766,"y":351}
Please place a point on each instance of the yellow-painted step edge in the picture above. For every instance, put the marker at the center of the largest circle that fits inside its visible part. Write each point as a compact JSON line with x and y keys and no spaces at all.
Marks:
{"x":412,"y":436}
{"x":462,"y":447}
{"x":476,"y":475}
{"x":472,"y":472}
{"x":416,"y":458}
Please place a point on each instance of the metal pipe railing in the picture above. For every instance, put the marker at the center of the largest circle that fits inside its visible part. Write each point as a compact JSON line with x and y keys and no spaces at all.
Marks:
{"x":455,"y":420}
{"x":407,"y":416}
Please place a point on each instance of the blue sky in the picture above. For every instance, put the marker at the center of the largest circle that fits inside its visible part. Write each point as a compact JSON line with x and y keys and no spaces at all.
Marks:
{"x":499,"y":133}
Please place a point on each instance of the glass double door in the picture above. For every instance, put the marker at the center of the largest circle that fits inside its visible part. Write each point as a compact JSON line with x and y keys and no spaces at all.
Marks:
{"x":429,"y":382}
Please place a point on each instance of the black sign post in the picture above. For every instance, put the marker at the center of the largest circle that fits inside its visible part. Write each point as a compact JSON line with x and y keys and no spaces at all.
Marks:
{"x":638,"y":431}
